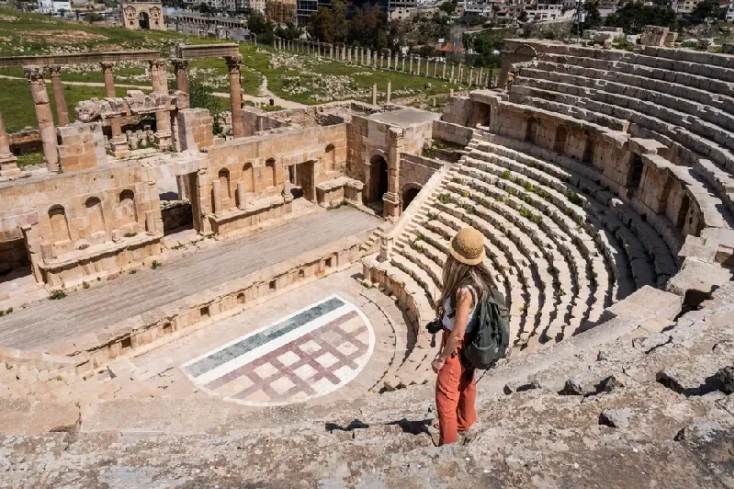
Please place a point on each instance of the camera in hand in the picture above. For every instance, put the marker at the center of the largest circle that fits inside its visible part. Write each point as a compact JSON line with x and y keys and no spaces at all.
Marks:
{"x":434,"y":326}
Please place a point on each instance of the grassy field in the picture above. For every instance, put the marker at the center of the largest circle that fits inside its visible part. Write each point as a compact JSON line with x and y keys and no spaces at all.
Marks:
{"x":16,"y":103}
{"x":310,"y":80}
{"x":304,"y":79}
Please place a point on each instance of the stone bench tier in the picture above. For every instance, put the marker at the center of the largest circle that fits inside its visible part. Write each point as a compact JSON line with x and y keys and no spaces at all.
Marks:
{"x":712,"y":126}
{"x":583,"y":257}
{"x":615,"y":213}
{"x":501,"y":229}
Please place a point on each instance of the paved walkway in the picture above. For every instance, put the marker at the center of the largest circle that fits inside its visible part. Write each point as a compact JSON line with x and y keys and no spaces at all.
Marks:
{"x":84,"y":311}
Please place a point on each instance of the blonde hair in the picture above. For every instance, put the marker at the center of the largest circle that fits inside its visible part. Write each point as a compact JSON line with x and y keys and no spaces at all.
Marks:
{"x":457,"y":275}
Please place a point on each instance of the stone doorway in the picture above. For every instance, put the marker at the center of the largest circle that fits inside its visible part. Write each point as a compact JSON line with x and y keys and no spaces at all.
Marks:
{"x":144,"y":20}
{"x":409,"y":194}
{"x":303,"y":181}
{"x":378,"y":180}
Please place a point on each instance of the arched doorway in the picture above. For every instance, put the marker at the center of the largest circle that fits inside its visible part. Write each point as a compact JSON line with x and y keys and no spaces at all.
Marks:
{"x":409,"y":194}
{"x":144,"y":20}
{"x":378,"y":178}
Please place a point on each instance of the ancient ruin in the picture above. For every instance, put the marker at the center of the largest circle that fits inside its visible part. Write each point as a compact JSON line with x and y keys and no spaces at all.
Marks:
{"x":253,"y":308}
{"x":142,"y":15}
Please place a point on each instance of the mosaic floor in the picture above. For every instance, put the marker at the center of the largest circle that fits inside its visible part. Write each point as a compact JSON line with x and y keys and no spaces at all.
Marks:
{"x":305,"y":355}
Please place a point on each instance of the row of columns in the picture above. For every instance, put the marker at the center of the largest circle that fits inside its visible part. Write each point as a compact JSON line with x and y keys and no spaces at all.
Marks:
{"x":416,"y":65}
{"x":118,"y":142}
{"x":234,"y":65}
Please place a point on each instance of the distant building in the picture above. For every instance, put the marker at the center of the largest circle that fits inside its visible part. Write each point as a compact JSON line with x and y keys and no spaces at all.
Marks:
{"x":143,"y":15}
{"x":52,"y":7}
{"x":281,"y":11}
{"x":550,"y":10}
{"x":197,"y":25}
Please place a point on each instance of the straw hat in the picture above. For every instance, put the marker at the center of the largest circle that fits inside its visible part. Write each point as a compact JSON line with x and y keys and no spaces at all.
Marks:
{"x":468,"y":246}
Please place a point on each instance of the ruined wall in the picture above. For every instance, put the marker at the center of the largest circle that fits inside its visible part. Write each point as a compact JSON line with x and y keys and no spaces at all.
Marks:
{"x":82,"y":223}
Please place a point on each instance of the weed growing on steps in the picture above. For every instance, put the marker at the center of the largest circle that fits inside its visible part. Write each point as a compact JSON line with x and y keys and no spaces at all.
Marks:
{"x":57,"y":294}
{"x":85,"y":285}
{"x":155,"y":265}
{"x":446,"y":198}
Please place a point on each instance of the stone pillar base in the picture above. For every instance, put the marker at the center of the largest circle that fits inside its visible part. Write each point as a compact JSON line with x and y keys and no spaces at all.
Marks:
{"x":391,"y":206}
{"x":162,"y":140}
{"x":119,"y":147}
{"x":9,"y":167}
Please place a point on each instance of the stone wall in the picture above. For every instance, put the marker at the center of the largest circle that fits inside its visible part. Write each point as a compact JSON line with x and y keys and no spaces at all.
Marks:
{"x":195,"y":129}
{"x":415,"y":171}
{"x":90,"y":217}
{"x":453,"y":133}
{"x":12,"y":253}
{"x":81,"y":146}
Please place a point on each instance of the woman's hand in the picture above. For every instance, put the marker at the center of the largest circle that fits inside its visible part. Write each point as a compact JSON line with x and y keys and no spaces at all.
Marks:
{"x":437,"y":364}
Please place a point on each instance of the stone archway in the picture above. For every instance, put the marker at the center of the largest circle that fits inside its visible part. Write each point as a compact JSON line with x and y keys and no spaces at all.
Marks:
{"x":410,"y":192}
{"x":144,"y":20}
{"x":143,"y":15}
{"x":378,"y":178}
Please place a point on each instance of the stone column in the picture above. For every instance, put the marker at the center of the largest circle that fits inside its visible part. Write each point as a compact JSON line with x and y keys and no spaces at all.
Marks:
{"x":45,"y":118}
{"x":8,"y":162}
{"x":369,"y":56}
{"x":411,"y":65}
{"x":443,"y":71}
{"x":395,"y":62}
{"x":241,"y":197}
{"x":451,"y":79}
{"x":471,"y":76}
{"x":461,"y":73}
{"x":62,"y":112}
{"x":389,"y":91}
{"x":435,"y":69}
{"x":216,"y":196}
{"x":481,"y":77}
{"x":403,"y":68}
{"x":159,"y":78}
{"x":234,"y":63}
{"x":374,"y":94}
{"x":382,"y":61}
{"x":182,"y":74}
{"x":418,"y":68}
{"x":331,"y":51}
{"x":374,"y":59}
{"x":118,"y":143}
{"x":391,"y":199}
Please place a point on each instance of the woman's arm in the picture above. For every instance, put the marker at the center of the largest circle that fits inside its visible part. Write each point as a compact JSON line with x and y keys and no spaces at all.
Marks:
{"x":464,"y":300}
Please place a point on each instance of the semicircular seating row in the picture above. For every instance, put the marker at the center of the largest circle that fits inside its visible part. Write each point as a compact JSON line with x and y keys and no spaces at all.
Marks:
{"x":561,"y":247}
{"x":681,"y":98}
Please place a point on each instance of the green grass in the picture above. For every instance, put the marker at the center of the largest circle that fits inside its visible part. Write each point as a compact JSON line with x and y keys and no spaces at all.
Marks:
{"x":17,"y":104}
{"x":30,"y":159}
{"x":308,"y":72}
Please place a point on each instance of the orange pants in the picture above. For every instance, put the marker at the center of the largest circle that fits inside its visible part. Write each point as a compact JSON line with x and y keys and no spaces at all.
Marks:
{"x":455,"y":396}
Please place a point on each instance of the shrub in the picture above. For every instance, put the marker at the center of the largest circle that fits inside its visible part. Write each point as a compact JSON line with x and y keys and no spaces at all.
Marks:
{"x":85,"y":285}
{"x":505,"y":175}
{"x":57,"y":295}
{"x":155,"y":265}
{"x":575,"y":199}
{"x":445,"y":198}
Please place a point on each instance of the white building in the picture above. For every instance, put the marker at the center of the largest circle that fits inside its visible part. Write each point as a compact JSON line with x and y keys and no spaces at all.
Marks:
{"x":730,"y":12}
{"x":550,"y":10}
{"x":53,"y":7}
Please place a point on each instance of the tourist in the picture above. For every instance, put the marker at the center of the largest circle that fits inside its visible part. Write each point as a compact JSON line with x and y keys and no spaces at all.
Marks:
{"x":465,"y":280}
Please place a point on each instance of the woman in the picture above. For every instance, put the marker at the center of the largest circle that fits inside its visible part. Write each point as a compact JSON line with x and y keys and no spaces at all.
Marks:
{"x":465,"y":281}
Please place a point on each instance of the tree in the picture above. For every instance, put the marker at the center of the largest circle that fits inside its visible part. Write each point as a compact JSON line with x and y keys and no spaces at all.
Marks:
{"x":634,"y":16}
{"x":321,"y":25}
{"x":705,"y":10}
{"x":205,"y":9}
{"x":593,"y":17}
{"x":448,"y":7}
{"x":523,"y":17}
{"x":93,"y":17}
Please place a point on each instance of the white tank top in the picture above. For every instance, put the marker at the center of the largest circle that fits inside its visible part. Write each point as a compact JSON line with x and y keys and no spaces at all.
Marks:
{"x":448,"y":313}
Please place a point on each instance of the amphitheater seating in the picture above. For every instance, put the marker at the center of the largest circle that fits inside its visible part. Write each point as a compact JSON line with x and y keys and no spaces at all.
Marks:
{"x":686,"y":105}
{"x":562,"y":247}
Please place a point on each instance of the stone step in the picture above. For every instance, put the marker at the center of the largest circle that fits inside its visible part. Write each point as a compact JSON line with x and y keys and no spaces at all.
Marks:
{"x":585,"y":189}
{"x":567,"y":283}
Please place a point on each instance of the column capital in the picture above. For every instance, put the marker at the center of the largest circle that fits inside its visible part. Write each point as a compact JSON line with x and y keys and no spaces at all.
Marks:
{"x":33,"y":73}
{"x":107,"y":65}
{"x":54,"y":70}
{"x":159,"y":64}
{"x":234,"y":63}
{"x":180,"y":64}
